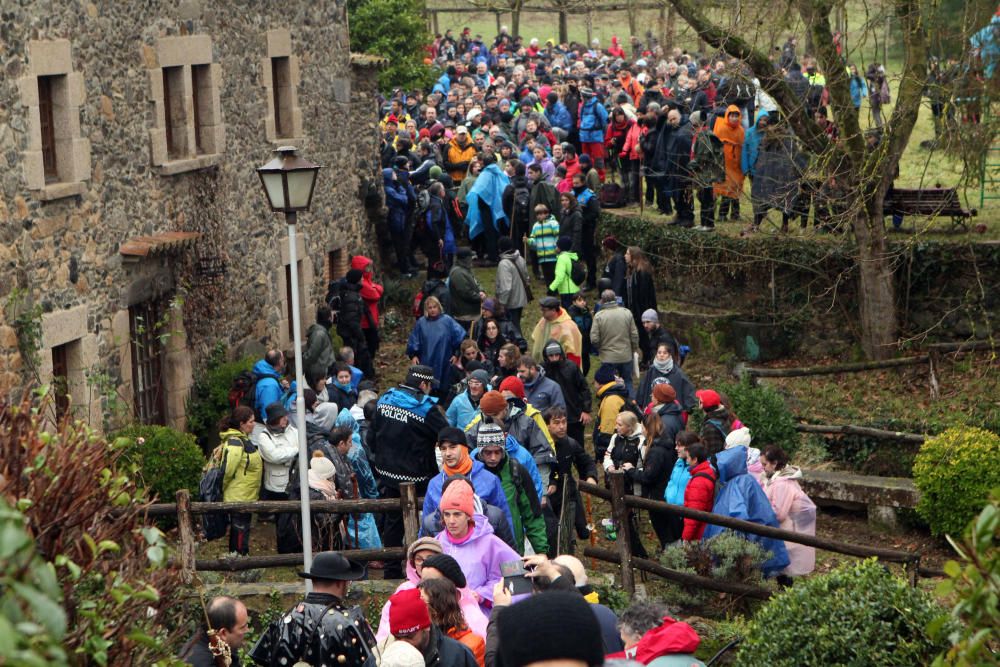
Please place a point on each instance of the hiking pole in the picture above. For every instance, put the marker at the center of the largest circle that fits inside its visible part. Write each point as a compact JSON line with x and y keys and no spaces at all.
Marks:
{"x":642,"y":195}
{"x":593,"y":535}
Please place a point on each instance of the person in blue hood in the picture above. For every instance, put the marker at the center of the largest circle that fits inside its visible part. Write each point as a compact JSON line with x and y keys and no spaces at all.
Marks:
{"x":751,"y":144}
{"x":740,"y":496}
{"x":361,"y":529}
{"x":486,"y":216}
{"x":434,"y":341}
{"x":269,"y":388}
{"x":399,"y":198}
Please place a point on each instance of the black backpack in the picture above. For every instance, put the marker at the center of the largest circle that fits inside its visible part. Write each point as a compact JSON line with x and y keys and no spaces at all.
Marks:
{"x":214,"y":524}
{"x":578,"y":271}
{"x":243,"y":389}
{"x":522,"y":207}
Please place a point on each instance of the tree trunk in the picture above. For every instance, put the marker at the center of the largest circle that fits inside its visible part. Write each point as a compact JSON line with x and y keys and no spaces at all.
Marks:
{"x":633,"y":19}
{"x":515,"y":20}
{"x":876,"y":284}
{"x":499,"y":21}
{"x":590,"y":26}
{"x":563,"y":27}
{"x":671,"y":27}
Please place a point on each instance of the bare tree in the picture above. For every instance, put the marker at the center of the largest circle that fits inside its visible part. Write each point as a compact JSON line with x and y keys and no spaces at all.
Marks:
{"x":513,"y":7}
{"x":564,"y":8}
{"x":865,"y":175}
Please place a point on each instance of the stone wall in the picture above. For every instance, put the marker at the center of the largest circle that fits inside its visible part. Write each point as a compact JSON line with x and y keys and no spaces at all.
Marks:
{"x":143,"y":150}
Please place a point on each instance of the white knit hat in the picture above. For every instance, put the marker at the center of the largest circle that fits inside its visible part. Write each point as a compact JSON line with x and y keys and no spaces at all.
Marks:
{"x":322,"y":466}
{"x":740,"y":436}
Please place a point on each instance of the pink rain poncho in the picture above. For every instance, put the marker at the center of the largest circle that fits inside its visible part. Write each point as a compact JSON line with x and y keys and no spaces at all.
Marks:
{"x":796,"y":512}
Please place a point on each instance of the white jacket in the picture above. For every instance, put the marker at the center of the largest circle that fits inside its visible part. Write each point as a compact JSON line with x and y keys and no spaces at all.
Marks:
{"x":278,"y":451}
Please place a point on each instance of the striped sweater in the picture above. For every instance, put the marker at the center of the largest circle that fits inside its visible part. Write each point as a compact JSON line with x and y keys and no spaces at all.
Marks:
{"x":543,"y":239}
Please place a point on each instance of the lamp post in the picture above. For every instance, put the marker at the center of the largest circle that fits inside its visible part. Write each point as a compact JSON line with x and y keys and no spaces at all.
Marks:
{"x":289,"y":181}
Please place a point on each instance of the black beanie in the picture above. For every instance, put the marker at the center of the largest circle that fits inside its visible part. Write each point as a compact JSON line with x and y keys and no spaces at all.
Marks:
{"x":549,"y":626}
{"x":505,"y":244}
{"x":354,"y":276}
{"x":449,"y":567}
{"x":564,"y":243}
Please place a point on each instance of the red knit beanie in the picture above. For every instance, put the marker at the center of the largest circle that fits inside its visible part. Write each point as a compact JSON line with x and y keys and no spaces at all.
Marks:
{"x":458,"y":496}
{"x":514,"y":385}
{"x":408,"y":613}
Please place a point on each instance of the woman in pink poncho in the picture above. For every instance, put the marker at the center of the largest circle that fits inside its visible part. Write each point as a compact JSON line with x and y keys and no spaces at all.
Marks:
{"x":792,"y":506}
{"x":416,"y":554}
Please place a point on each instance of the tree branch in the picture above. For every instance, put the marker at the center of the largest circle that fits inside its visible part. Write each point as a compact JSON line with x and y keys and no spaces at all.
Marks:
{"x":811,"y":136}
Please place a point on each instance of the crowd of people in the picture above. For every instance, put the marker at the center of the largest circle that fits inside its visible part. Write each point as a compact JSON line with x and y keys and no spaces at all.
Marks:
{"x":504,"y":409}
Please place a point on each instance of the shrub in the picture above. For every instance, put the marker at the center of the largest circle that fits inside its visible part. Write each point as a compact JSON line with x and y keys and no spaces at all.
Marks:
{"x":858,"y":614}
{"x":762,"y":410}
{"x":166,"y":460}
{"x":726,"y":557}
{"x":955,"y":476}
{"x":209,"y":399}
{"x":975,"y":582}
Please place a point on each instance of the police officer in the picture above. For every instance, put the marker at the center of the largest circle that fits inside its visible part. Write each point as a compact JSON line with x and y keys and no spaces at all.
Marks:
{"x":321,"y":629}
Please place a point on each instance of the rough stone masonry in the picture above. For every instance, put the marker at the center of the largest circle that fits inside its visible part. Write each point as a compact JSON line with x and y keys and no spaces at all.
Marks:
{"x":132,"y":220}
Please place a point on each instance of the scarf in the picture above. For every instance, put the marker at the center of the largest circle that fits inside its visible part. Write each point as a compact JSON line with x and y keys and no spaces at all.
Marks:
{"x":664,"y":366}
{"x":324,"y":486}
{"x":464,"y":466}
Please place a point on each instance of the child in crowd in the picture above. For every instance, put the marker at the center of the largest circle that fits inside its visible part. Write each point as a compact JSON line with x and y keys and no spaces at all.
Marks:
{"x":582,"y":318}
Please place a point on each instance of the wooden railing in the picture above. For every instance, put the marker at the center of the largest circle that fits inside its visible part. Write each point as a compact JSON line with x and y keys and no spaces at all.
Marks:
{"x":408,"y":504}
{"x":621,"y":504}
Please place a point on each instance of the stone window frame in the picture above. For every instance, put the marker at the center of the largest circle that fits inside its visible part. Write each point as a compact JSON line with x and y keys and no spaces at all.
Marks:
{"x":69,"y":329}
{"x":203,"y":143}
{"x":53,"y":58}
{"x":279,"y":46}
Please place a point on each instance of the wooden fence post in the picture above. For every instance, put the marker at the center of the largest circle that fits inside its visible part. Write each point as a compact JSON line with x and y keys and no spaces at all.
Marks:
{"x":185,"y":532}
{"x":411,"y":513}
{"x":619,"y":513}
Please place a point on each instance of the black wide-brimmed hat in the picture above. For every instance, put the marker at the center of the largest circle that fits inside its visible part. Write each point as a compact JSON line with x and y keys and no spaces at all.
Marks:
{"x":331,"y":566}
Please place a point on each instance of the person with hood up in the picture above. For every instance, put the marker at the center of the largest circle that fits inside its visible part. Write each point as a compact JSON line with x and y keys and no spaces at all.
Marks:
{"x":751,"y":145}
{"x":563,"y":284}
{"x":242,"y":468}
{"x":593,"y":121}
{"x":663,"y":370}
{"x":630,"y":85}
{"x":614,"y":142}
{"x":517,"y":206}
{"x":459,"y":154}
{"x":270,"y":386}
{"x":718,"y":421}
{"x":545,"y":164}
{"x":740,"y":496}
{"x":469,"y":539}
{"x":778,"y":172}
{"x":793,"y":508}
{"x":495,"y":452}
{"x":453,"y":450}
{"x":464,"y":407}
{"x":435,"y":286}
{"x":361,"y":528}
{"x":434,"y":341}
{"x":421,"y":550}
{"x":558,"y":115}
{"x":575,"y":390}
{"x":399,"y":200}
{"x":630,"y":157}
{"x":729,"y":130}
{"x":616,"y":50}
{"x":486,"y":216}
{"x":556,"y":324}
{"x":353,"y":313}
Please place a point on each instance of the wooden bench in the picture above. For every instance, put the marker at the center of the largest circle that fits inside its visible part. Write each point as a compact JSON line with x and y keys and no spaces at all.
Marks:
{"x":933,"y":202}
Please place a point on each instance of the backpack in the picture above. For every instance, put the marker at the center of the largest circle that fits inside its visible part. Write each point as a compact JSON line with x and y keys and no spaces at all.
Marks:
{"x":522,"y":207}
{"x":333,"y":298}
{"x":214,"y":524}
{"x":716,"y":486}
{"x":578,"y":271}
{"x":242,"y":390}
{"x":612,"y":196}
{"x":423,"y":205}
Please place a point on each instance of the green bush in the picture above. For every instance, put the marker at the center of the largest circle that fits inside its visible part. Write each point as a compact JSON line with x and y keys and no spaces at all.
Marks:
{"x":209,"y":400}
{"x":166,"y":460}
{"x":397,"y":30}
{"x":725,"y":557}
{"x":762,"y":410}
{"x":975,"y":582}
{"x":955,"y":472}
{"x":858,"y":614}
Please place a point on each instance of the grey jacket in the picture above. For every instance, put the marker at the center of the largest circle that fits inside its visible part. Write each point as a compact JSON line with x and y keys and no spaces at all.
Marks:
{"x":614,"y":334}
{"x":510,"y":288}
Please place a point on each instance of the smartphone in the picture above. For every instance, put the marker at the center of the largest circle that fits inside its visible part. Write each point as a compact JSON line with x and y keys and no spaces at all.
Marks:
{"x":514,"y":579}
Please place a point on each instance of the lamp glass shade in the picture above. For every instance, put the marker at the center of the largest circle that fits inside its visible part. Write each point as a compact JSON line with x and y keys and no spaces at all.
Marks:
{"x":274,"y":187}
{"x":300,"y":188}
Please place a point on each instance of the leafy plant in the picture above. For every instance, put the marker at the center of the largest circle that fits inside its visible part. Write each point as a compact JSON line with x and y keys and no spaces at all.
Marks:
{"x":858,"y":614}
{"x":32,"y":621}
{"x":209,"y":399}
{"x":975,"y":581}
{"x":83,"y":511}
{"x":397,"y":30}
{"x":762,"y":410}
{"x":613,"y":597}
{"x":725,"y":557}
{"x":955,"y":477}
{"x":165,"y":460}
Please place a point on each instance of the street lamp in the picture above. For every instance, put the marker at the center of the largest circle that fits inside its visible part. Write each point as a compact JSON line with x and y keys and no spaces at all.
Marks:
{"x":289,"y":181}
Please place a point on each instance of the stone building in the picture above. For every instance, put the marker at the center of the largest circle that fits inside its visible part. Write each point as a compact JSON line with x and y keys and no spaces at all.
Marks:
{"x":134,"y":234}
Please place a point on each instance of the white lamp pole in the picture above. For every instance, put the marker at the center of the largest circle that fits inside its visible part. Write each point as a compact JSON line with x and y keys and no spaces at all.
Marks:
{"x":289,"y":182}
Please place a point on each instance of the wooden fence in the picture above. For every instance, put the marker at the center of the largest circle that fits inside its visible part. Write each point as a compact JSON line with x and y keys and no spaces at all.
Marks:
{"x":621,"y":504}
{"x":408,"y":504}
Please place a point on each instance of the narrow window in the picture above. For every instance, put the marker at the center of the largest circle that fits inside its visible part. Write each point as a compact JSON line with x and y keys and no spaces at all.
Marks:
{"x":60,"y":379}
{"x":201,"y":90}
{"x":336,"y":266}
{"x":145,"y":319}
{"x":281,"y":87}
{"x":46,"y":114}
{"x":173,"y":110}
